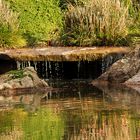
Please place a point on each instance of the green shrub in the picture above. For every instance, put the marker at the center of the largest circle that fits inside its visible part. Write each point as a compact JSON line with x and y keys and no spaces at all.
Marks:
{"x":96,"y":22}
{"x":39,"y":20}
{"x":9,"y":31}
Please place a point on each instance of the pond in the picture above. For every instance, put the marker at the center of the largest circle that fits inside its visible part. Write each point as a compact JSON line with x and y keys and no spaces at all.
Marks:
{"x":75,"y":110}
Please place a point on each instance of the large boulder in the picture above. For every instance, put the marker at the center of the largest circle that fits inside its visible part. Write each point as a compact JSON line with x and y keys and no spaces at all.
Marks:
{"x":124,"y":69}
{"x":19,"y":79}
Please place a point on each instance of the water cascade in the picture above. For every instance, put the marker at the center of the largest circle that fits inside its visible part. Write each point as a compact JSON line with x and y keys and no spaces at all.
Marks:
{"x":109,"y":60}
{"x":70,"y":69}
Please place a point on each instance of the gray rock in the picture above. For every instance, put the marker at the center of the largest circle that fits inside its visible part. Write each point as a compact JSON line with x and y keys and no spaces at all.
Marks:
{"x":26,"y":78}
{"x":135,"y":80}
{"x":123,"y":69}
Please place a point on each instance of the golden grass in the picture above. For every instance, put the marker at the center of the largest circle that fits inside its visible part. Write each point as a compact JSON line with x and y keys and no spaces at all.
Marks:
{"x":100,"y":22}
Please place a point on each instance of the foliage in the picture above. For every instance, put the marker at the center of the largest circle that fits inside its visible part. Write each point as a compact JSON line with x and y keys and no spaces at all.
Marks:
{"x":9,"y":32}
{"x":96,"y":22}
{"x":38,"y":20}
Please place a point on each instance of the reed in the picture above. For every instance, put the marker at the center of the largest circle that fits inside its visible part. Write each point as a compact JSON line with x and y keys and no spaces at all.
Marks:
{"x":96,"y":22}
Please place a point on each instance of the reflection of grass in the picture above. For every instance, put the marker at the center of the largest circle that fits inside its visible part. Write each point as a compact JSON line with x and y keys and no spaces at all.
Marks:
{"x":106,"y":125}
{"x":97,"y":120}
{"x":44,"y":125}
{"x":10,"y":124}
{"x":6,"y":121}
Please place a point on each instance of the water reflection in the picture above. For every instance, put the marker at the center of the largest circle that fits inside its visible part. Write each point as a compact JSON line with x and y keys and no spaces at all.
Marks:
{"x":76,"y":111}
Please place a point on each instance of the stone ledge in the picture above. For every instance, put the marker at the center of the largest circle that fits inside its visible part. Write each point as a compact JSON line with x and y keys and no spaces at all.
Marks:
{"x":61,"y":53}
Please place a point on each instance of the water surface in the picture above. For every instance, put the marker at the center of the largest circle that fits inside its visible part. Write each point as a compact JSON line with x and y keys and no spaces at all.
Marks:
{"x":75,"y":110}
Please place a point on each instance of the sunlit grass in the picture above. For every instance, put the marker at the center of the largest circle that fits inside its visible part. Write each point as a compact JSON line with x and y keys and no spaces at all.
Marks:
{"x":97,"y":22}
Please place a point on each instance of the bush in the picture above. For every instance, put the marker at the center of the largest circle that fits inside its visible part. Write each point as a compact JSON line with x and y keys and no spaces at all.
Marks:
{"x":9,"y":32}
{"x":39,"y":20}
{"x":96,"y":22}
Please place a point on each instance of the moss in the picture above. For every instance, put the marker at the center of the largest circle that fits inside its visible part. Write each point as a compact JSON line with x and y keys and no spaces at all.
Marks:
{"x":16,"y":74}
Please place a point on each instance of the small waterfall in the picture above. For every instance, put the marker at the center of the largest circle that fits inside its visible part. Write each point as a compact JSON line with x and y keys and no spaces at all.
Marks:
{"x":23,"y":64}
{"x":70,"y":70}
{"x":78,"y":73}
{"x":107,"y":61}
{"x":29,"y":64}
{"x":46,"y":68}
{"x":50,"y":70}
{"x":18,"y":65}
{"x":35,"y":65}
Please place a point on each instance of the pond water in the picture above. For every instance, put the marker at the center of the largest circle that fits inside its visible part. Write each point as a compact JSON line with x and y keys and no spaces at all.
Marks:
{"x":75,"y":110}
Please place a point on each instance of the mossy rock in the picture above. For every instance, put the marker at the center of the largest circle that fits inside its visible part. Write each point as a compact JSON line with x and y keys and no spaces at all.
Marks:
{"x":18,"y":79}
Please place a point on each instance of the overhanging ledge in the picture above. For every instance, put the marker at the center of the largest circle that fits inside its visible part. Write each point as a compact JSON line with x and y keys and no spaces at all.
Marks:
{"x":62,"y":53}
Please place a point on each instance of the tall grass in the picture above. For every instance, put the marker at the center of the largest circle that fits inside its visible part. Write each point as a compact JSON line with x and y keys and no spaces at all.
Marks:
{"x":9,"y":28}
{"x":97,"y":22}
{"x":135,"y":28}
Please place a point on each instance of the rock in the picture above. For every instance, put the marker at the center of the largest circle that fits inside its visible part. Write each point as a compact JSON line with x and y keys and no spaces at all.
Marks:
{"x":20,"y":79}
{"x":135,"y":80}
{"x":124,"y":69}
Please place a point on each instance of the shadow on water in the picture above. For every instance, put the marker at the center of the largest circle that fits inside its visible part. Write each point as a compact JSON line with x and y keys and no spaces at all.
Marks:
{"x":76,"y":110}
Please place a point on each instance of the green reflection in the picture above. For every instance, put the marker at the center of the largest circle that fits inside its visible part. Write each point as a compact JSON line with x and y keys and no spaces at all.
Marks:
{"x":10,"y":124}
{"x":6,"y":122}
{"x":43,"y":125}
